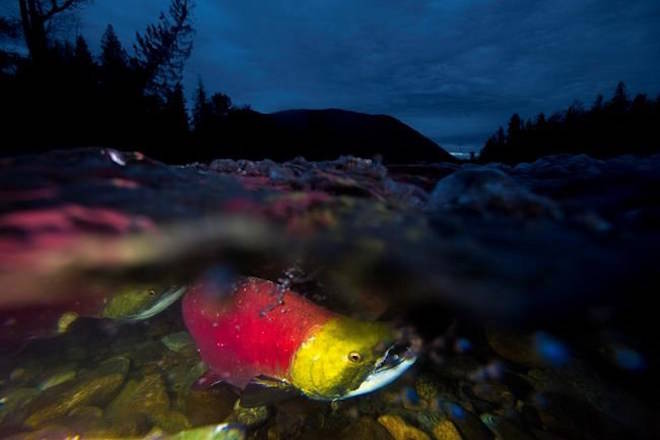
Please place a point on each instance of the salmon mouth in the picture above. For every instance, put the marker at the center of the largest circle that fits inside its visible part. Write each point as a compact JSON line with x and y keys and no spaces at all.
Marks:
{"x":396,"y":360}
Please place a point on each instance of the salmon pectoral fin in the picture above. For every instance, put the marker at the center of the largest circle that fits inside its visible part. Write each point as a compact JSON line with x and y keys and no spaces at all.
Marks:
{"x":208,"y":379}
{"x":264,"y":390}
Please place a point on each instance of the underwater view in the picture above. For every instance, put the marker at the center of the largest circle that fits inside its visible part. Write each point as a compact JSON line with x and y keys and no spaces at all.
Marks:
{"x":336,"y":299}
{"x":374,"y":220}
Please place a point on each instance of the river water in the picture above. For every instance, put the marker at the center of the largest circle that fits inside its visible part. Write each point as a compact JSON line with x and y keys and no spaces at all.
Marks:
{"x":526,"y":293}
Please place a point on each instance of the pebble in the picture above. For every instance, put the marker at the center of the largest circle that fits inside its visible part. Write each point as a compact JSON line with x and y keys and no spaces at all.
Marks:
{"x":400,"y":430}
{"x":468,"y":424}
{"x":503,"y":428}
{"x":57,"y":378}
{"x":223,"y":431}
{"x":147,"y":395}
{"x":366,"y":428}
{"x":178,"y":342}
{"x":206,"y":407}
{"x":494,"y":392}
{"x":96,"y":387}
{"x":171,"y":421}
{"x":513,"y":346}
{"x":13,"y":404}
{"x":446,"y":430}
{"x":249,"y":417}
{"x":427,"y":387}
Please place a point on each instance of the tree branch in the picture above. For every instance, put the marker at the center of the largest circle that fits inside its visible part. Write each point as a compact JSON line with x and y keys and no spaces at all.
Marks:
{"x":57,"y":8}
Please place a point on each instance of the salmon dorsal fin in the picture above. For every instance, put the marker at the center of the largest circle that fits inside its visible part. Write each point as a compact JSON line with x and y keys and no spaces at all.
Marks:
{"x":265,"y":390}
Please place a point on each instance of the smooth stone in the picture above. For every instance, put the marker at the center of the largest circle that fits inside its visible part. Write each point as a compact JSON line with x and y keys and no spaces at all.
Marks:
{"x":178,"y":342}
{"x":87,"y":411}
{"x":57,"y":379}
{"x":428,"y":387}
{"x":457,"y":367}
{"x":298,"y":416}
{"x":65,"y":321}
{"x":545,"y":435}
{"x":223,"y":431}
{"x":400,"y":430}
{"x":96,"y":387}
{"x":14,"y":404}
{"x":446,"y":430}
{"x":427,"y":420}
{"x":582,"y":383}
{"x":133,"y":425}
{"x":469,"y":425}
{"x":494,"y":392}
{"x":46,"y":432}
{"x":513,"y":346}
{"x":206,"y":407}
{"x":171,"y":421}
{"x":146,"y":352}
{"x":504,"y":428}
{"x":17,"y":374}
{"x":182,"y":376}
{"x":365,"y":428}
{"x":85,"y":421}
{"x":249,"y":417}
{"x":569,"y":416}
{"x":148,"y":397}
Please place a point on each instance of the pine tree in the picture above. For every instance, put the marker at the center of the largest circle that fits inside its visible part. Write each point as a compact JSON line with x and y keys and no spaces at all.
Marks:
{"x":175,"y":107}
{"x":514,"y":128}
{"x":164,"y":48}
{"x":81,"y":53}
{"x":113,"y":55}
{"x":598,"y":104}
{"x":540,"y":120}
{"x":221,"y":105}
{"x":619,"y":102}
{"x":200,"y":108}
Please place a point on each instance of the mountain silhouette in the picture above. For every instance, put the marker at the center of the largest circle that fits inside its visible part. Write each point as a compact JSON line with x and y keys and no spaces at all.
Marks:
{"x":321,"y":135}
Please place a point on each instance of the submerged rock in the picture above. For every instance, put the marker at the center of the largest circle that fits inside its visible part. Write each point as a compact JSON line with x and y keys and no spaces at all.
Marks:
{"x":205,"y":407}
{"x":366,"y":428}
{"x":58,"y":378}
{"x":504,"y":428}
{"x":469,"y":425}
{"x":171,"y":421}
{"x":14,"y":404}
{"x":248,"y":417}
{"x":537,"y":349}
{"x":179,"y":342}
{"x":147,"y":397}
{"x":223,"y":431}
{"x":445,"y":430}
{"x":96,"y":387}
{"x":400,"y":430}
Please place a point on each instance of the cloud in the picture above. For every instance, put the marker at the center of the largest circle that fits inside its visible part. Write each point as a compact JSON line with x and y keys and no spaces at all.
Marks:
{"x":454,"y":69}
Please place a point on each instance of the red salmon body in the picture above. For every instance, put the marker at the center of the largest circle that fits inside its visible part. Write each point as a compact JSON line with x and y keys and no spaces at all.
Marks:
{"x":253,"y":330}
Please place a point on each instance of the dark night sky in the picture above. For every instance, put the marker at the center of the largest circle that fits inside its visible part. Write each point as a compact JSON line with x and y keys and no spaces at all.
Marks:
{"x":453,"y":69}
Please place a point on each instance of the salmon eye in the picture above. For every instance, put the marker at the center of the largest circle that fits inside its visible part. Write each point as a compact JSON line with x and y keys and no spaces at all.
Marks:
{"x":354,"y":356}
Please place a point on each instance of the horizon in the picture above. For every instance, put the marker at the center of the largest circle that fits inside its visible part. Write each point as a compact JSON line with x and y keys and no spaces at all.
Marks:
{"x":488,"y":62}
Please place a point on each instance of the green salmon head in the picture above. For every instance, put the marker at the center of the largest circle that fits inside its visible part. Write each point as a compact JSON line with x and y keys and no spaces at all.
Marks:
{"x":345,"y":358}
{"x":138,"y":303}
